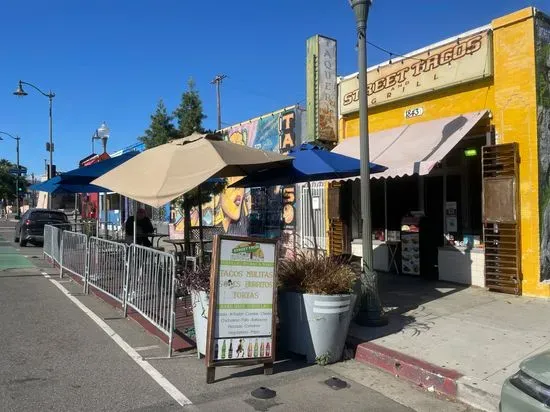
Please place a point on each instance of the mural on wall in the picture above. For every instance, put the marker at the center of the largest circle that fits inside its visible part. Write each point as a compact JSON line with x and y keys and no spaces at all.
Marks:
{"x":255,"y":212}
{"x":542,"y":56}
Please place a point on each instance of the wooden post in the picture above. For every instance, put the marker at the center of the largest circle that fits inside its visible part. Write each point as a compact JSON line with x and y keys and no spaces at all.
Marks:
{"x":210,"y":374}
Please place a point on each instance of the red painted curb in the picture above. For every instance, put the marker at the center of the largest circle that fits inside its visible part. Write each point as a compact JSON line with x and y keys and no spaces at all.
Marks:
{"x":419,"y":372}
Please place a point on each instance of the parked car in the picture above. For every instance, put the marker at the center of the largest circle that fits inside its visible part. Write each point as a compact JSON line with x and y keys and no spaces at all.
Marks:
{"x":528,"y":390}
{"x":30,"y":228}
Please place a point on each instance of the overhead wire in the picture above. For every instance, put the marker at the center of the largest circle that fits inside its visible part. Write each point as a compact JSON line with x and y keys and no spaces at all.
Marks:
{"x":392,"y":54}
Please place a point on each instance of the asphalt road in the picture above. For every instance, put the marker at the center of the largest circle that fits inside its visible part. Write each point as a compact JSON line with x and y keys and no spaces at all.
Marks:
{"x":55,"y":357}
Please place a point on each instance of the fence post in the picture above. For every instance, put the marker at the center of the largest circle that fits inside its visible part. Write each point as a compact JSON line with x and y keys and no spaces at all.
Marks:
{"x":86,"y":265}
{"x":172,"y":305}
{"x":61,"y":257}
{"x":126,"y":281}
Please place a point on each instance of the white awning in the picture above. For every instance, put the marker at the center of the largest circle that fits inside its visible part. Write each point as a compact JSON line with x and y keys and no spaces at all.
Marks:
{"x":412,"y":149}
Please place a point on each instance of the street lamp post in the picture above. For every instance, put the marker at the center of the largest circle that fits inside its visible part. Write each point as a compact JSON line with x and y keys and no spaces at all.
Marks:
{"x":103,"y":133}
{"x":20,"y":92}
{"x":16,"y":138}
{"x":370,"y":312}
{"x":95,"y":137}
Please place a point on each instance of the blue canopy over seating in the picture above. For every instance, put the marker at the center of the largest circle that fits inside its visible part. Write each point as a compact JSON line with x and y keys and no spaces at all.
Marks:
{"x":311,"y":163}
{"x":55,"y":185}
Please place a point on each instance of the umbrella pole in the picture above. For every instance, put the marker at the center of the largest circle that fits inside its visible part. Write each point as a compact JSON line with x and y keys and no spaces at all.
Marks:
{"x":199,"y":191}
{"x":105,"y":214}
{"x":75,"y":207}
{"x":385,"y":210}
{"x":135,"y":220}
{"x":97,"y":215}
{"x":187,"y":224}
{"x":312,"y":216}
{"x":120,"y":222}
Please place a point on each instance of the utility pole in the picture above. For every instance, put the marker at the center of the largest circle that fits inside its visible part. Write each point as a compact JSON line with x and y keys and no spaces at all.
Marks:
{"x":33,"y":203}
{"x":217,"y":81}
{"x":18,"y":214}
{"x":371,"y":312}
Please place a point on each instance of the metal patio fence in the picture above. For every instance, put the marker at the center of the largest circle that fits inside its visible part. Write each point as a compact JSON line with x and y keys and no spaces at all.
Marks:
{"x":106,"y":269}
{"x":137,"y":277}
{"x":52,"y":242}
{"x":74,"y":250}
{"x":150,"y":288}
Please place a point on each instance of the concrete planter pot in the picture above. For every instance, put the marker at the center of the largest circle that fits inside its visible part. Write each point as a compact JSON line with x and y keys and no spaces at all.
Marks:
{"x":315,"y":325}
{"x":200,"y":301}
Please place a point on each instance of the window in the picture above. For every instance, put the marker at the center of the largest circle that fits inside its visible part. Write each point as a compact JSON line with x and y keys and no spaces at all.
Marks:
{"x":49,"y":216}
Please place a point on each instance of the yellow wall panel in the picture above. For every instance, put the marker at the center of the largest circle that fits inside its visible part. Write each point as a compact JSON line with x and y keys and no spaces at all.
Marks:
{"x":515,"y":119}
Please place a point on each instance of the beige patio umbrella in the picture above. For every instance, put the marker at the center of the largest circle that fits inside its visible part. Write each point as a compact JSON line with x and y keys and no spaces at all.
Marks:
{"x":161,"y":174}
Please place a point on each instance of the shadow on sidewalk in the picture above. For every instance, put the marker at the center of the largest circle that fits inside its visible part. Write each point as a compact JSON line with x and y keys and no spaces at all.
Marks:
{"x":404,"y":298}
{"x":285,"y":362}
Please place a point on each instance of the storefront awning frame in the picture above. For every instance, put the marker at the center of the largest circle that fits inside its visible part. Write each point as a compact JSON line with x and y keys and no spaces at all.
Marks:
{"x":413,"y":149}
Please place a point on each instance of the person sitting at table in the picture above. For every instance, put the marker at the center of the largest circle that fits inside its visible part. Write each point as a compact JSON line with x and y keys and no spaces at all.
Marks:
{"x":144,"y":227}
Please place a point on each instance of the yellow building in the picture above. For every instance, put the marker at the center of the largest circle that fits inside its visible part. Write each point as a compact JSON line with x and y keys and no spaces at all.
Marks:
{"x":475,"y":111}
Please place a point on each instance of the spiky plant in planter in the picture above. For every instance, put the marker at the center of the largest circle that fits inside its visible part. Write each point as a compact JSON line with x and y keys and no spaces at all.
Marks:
{"x":319,"y":275}
{"x":316,"y":303}
{"x":196,"y":283}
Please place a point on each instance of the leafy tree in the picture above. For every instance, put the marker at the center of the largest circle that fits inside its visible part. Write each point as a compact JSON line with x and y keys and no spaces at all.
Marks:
{"x":189,"y":114}
{"x":7,"y":181}
{"x":161,"y":129}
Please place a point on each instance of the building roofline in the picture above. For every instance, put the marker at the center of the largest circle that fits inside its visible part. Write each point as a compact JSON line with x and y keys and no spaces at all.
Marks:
{"x":422,"y":50}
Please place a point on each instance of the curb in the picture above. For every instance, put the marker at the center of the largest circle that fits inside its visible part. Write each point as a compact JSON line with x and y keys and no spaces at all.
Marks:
{"x":419,"y":372}
{"x":433,"y":378}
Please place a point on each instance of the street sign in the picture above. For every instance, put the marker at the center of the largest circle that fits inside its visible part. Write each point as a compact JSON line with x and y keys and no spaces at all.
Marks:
{"x":22,"y":171}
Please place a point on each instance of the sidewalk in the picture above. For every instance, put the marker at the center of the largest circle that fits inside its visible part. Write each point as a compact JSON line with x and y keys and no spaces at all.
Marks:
{"x":462,"y":342}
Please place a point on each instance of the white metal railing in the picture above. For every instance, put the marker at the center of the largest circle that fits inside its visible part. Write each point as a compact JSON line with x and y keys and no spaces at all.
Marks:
{"x":137,"y":277}
{"x":318,"y":197}
{"x":74,"y":249}
{"x":150,"y":288}
{"x":52,"y":242}
{"x":106,"y":268}
{"x":48,"y":241}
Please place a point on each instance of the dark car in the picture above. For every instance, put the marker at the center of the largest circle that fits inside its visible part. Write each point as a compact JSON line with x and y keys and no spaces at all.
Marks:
{"x":30,"y":228}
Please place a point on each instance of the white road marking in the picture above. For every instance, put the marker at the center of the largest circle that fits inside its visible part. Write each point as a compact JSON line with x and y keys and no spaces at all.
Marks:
{"x":144,"y":348}
{"x":146,"y":366}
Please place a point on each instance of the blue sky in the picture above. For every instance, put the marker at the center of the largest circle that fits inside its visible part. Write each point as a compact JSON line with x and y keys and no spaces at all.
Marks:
{"x":113,"y":60}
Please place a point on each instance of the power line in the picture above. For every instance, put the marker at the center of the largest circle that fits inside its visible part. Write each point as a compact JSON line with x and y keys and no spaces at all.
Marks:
{"x":392,"y":54}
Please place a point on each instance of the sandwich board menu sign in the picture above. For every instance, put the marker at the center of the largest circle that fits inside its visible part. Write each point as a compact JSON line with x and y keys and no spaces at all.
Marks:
{"x":243,"y":302}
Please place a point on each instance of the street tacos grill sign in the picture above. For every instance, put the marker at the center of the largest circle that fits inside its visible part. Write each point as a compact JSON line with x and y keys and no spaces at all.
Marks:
{"x":463,"y":60}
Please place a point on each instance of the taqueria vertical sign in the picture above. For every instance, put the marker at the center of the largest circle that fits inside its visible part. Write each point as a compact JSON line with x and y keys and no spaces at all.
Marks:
{"x":241,"y":319}
{"x":462,"y":60}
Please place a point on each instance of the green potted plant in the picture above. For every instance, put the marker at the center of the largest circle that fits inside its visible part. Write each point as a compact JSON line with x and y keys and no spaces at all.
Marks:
{"x":316,"y":302}
{"x":196,"y":283}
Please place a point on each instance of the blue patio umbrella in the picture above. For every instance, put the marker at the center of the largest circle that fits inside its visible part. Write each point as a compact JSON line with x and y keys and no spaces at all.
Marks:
{"x":55,"y":186}
{"x":88,"y":173}
{"x":311,"y":163}
{"x":78,"y":180}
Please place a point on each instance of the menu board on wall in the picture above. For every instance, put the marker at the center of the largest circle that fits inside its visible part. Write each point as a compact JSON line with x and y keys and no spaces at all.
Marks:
{"x":241,"y":319}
